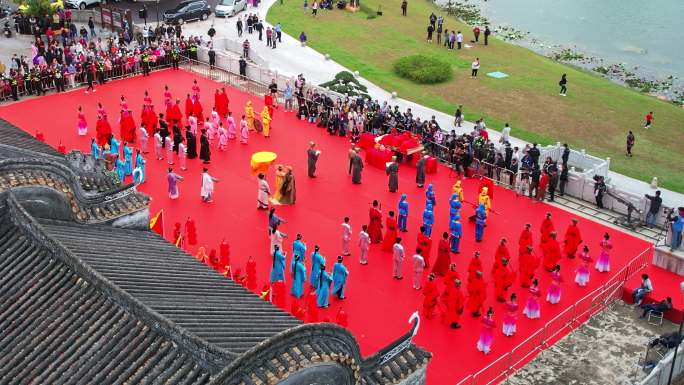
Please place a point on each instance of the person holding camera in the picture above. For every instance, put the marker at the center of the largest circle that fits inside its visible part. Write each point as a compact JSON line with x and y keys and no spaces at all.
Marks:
{"x":600,"y":188}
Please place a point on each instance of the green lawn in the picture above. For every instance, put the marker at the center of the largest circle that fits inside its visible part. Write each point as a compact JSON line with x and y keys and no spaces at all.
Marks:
{"x":595,"y":115}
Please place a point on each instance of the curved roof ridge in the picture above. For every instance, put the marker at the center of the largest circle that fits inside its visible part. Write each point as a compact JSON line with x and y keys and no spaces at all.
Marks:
{"x":209,"y":355}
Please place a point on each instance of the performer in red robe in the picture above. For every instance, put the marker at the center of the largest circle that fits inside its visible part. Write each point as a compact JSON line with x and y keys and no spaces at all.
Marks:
{"x":221,"y":102}
{"x":451,"y":275}
{"x":188,"y":106}
{"x":251,"y":274}
{"x":197,"y":111}
{"x":474,"y":266}
{"x":573,"y":239}
{"x":503,"y":279}
{"x":173,"y":113}
{"x":424,"y":244}
{"x":443,"y":256}
{"x":501,"y":253}
{"x":127,"y":127}
{"x":454,"y":305}
{"x":552,"y":252}
{"x":103,"y":130}
{"x":431,"y":295}
{"x":225,"y":102}
{"x":546,"y":228}
{"x":477,"y":294}
{"x":525,"y":239}
{"x":528,"y":266}
{"x":375,"y":223}
{"x":149,"y":118}
{"x":391,"y":234}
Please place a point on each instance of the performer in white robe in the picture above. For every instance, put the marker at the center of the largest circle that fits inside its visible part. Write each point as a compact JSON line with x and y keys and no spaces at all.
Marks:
{"x":263,"y":193}
{"x":207,"y":190}
{"x":346,"y":236}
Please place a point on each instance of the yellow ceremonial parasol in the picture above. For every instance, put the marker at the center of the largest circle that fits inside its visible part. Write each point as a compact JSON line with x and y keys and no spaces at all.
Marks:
{"x":261,"y":161}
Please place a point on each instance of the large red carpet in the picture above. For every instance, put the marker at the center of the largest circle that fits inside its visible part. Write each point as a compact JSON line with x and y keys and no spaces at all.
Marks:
{"x":378,"y":306}
{"x":665,"y":284}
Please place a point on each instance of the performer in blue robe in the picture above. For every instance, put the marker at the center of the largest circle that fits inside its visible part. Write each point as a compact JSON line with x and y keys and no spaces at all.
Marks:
{"x":403,"y":213}
{"x":114,"y":145}
{"x":323,"y":288}
{"x":120,"y":169}
{"x":480,"y":217}
{"x":456,"y":233}
{"x":428,"y":219}
{"x":454,"y":206}
{"x":430,"y":195}
{"x":139,"y":172}
{"x":278,"y":265}
{"x":299,"y":248}
{"x":317,"y":260}
{"x":298,"y":271}
{"x":128,"y":158}
{"x":339,"y":276}
{"x":94,"y":149}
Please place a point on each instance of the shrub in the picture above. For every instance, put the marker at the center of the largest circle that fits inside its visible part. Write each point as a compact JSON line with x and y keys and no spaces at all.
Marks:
{"x":423,"y":69}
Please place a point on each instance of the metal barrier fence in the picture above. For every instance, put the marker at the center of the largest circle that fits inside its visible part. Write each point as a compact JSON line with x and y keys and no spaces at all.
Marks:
{"x":566,"y":321}
{"x":78,"y":79}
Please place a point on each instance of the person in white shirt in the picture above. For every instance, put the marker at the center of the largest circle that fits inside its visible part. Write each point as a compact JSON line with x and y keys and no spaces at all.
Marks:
{"x":207,"y":190}
{"x":475,"y":66}
{"x":143,"y":135}
{"x":505,"y":134}
{"x":459,"y":39}
{"x":645,"y":288}
{"x":418,"y":267}
{"x":364,"y":244}
{"x":397,"y":259}
{"x":346,"y":236}
{"x":158,"y":145}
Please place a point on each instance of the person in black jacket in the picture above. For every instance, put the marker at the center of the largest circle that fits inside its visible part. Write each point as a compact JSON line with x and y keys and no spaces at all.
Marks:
{"x":205,"y":151}
{"x":566,"y":154}
{"x":534,"y":179}
{"x":534,"y":153}
{"x":652,"y":214}
{"x":191,"y":142}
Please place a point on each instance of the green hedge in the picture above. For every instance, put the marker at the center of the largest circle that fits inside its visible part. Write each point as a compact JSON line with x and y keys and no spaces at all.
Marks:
{"x":423,"y":69}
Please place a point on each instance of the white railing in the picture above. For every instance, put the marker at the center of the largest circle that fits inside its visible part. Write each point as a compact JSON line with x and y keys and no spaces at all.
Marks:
{"x":566,"y":321}
{"x":661,"y":372}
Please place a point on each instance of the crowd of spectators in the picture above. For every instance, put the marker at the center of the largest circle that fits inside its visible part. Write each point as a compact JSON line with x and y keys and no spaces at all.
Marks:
{"x":65,"y":56}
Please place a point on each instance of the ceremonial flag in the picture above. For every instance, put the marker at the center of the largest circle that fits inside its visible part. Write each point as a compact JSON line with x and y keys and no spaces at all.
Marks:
{"x":157,"y":223}
{"x":179,"y":241}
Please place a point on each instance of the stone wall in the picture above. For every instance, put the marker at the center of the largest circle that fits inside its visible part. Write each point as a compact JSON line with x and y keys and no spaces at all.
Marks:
{"x":416,"y":378}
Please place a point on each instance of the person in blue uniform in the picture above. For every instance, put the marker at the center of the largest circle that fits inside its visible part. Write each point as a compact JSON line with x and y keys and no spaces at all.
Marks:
{"x":456,"y":232}
{"x":323,"y":291}
{"x":428,"y":219}
{"x":480,"y":218}
{"x":430,"y":195}
{"x":114,"y":145}
{"x":278,"y":266}
{"x":128,"y":159}
{"x":339,"y":276}
{"x":454,"y":206}
{"x":299,"y":248}
{"x":120,"y":169}
{"x":403,"y":213}
{"x":139,"y":172}
{"x":298,"y":271}
{"x":94,"y":149}
{"x":317,"y":262}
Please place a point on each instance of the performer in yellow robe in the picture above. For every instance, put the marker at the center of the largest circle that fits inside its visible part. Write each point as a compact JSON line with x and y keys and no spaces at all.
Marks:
{"x":266,"y":121}
{"x":458,"y":190}
{"x":484,"y":199}
{"x":280,"y":172}
{"x":249,"y":114}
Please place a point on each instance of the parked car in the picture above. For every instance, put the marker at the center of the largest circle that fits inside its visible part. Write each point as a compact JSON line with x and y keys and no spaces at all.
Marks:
{"x":186,"y":11}
{"x":80,"y":4}
{"x":229,"y":8}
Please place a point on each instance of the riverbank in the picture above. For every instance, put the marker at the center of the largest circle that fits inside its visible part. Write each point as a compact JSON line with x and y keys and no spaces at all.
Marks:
{"x":628,"y":67}
{"x":595,"y":115}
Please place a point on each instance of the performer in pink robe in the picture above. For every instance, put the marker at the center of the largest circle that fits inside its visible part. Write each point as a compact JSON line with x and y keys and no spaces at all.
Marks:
{"x":222,"y":137}
{"x":532,"y":308}
{"x":230,"y":124}
{"x":168,"y":98}
{"x":244,"y":131}
{"x":511,"y":318}
{"x":603,"y":261}
{"x":554,"y":293}
{"x":582,"y":277}
{"x":82,"y":124}
{"x":484,"y":343}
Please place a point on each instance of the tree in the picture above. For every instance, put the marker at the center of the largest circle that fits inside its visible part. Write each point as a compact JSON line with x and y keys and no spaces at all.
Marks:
{"x":346,"y":84}
{"x":36,"y":8}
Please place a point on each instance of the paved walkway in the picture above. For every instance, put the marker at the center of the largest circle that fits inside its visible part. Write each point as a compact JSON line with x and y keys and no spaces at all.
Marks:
{"x":290,"y":58}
